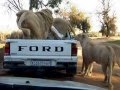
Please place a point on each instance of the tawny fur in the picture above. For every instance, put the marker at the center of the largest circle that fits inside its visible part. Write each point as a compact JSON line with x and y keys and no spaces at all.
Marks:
{"x":63,"y":26}
{"x":116,"y":49}
{"x":35,"y":25}
{"x":101,"y":54}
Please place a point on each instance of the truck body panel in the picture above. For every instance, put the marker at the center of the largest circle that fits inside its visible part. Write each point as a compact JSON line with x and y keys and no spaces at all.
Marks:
{"x":40,"y":53}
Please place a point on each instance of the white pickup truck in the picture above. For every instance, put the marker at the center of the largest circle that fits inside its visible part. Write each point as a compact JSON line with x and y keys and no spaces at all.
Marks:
{"x":41,"y":54}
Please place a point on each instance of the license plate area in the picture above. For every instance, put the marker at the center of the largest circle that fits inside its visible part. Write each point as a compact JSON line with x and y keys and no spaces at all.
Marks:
{"x":40,"y":63}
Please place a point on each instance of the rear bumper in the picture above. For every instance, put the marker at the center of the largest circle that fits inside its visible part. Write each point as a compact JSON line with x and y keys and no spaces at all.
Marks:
{"x":56,"y":58}
{"x":20,"y":65}
{"x":19,"y":62}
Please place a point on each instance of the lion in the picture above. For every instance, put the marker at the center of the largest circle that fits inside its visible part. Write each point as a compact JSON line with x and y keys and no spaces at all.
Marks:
{"x":35,"y":25}
{"x":101,"y":54}
{"x":41,"y":25}
{"x":116,"y":49}
{"x":63,"y":27}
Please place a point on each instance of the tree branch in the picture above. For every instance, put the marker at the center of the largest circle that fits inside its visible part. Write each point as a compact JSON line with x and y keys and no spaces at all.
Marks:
{"x":13,"y":5}
{"x":19,"y":4}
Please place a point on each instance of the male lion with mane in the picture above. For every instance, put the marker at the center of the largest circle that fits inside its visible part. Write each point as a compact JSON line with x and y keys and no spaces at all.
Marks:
{"x":35,"y":25}
{"x":101,"y":54}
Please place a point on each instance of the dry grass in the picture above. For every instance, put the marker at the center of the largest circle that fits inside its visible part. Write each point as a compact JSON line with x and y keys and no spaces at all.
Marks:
{"x":2,"y":45}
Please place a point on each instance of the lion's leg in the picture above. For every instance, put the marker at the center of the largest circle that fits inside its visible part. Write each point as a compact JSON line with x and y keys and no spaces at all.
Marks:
{"x":83,"y":67}
{"x":86,"y":69}
{"x":113,"y":64}
{"x":110,"y":76}
{"x":90,"y":68}
{"x":104,"y":69}
{"x":86,"y":66}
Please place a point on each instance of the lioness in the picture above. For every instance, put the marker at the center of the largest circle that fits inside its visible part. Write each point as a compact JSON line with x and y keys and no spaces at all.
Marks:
{"x":101,"y":54}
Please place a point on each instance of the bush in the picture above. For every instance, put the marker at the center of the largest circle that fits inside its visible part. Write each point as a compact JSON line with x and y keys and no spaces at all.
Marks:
{"x":94,"y":34}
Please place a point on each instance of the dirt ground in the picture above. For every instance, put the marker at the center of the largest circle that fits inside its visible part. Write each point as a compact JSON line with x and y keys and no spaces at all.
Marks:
{"x":96,"y":78}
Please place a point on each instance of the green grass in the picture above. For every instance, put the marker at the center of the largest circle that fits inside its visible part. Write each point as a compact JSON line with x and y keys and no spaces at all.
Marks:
{"x":114,"y":42}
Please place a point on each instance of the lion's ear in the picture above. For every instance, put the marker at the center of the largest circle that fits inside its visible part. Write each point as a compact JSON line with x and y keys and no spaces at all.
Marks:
{"x":20,"y":13}
{"x":17,"y":14}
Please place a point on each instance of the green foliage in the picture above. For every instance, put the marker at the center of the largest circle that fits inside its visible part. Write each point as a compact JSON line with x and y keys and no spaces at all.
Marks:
{"x":54,"y":3}
{"x":40,"y":3}
{"x":103,"y":30}
{"x":85,"y":25}
{"x":109,"y":27}
{"x":75,"y":16}
{"x":115,"y":42}
{"x":93,"y":34}
{"x":108,"y":22}
{"x":34,"y":4}
{"x":79,"y":20}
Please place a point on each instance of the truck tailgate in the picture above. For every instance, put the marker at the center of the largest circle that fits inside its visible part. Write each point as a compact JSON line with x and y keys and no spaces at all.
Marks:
{"x":40,"y":47}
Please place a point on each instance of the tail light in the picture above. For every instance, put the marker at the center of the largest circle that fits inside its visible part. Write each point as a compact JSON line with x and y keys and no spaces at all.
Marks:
{"x":74,"y":49}
{"x":7,"y":49}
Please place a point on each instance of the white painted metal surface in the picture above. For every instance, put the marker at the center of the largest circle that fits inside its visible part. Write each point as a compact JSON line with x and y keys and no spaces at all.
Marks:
{"x":46,"y":83}
{"x":40,"y":52}
{"x":41,"y":47}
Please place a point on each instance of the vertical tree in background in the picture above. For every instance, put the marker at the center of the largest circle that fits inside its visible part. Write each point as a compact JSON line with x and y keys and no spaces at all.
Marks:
{"x":85,"y":25}
{"x":108,"y":22}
